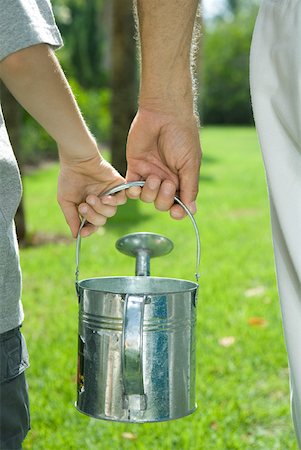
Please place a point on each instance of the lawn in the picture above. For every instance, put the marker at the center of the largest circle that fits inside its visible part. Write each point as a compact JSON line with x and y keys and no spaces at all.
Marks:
{"x":242,"y":374}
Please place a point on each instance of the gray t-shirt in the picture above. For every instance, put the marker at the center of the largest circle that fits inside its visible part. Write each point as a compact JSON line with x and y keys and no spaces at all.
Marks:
{"x":23,"y":23}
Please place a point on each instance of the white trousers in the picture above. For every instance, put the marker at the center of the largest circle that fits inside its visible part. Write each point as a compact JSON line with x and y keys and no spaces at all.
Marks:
{"x":275,"y":75}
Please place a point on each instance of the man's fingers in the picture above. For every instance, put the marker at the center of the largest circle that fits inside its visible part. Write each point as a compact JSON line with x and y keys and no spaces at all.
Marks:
{"x":120,"y":198}
{"x":156,"y":191}
{"x":189,"y":187}
{"x":133,"y":192}
{"x":166,"y":196}
{"x":177,"y":212}
{"x":150,"y":189}
{"x":189,"y":183}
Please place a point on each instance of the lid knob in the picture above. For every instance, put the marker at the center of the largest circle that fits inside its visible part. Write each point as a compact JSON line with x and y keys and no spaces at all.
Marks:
{"x":144,"y":246}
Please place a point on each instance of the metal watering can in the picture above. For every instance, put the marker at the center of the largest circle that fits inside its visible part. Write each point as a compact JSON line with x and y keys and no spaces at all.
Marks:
{"x":136,"y":344}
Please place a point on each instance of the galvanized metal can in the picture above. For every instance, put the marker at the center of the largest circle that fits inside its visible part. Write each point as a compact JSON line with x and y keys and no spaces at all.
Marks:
{"x":136,"y":350}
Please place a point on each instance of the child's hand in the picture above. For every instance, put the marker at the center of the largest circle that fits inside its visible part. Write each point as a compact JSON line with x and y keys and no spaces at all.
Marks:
{"x":80,"y":184}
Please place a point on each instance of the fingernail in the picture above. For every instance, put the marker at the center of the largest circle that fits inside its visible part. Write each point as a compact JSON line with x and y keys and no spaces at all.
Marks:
{"x":91,"y":201}
{"x":176,"y":214}
{"x":154,"y":183}
{"x":83,"y":209}
{"x":134,"y":191}
{"x":106,"y":199}
{"x":192,"y":207}
{"x":168,"y":188}
{"x":84,"y":233}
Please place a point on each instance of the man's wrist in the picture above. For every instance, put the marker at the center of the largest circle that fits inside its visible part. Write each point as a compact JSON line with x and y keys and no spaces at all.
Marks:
{"x":167,"y":103}
{"x":167,"y":94}
{"x":159,"y":115}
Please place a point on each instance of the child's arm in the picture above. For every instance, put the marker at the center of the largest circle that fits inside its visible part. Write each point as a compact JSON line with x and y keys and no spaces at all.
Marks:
{"x":35,"y":78}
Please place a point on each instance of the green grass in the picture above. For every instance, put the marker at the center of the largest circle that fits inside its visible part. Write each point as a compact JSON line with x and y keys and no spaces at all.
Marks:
{"x":242,"y":389}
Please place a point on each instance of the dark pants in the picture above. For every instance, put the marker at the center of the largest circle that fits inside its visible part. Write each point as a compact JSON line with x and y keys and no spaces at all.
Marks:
{"x":14,"y":405}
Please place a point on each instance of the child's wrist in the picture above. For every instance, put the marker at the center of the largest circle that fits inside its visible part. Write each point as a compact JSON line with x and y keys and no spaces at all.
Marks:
{"x":78,"y":152}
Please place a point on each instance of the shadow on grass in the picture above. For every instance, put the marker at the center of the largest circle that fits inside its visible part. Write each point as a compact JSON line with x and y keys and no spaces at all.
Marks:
{"x":40,"y":238}
{"x":208,"y":159}
{"x":126,"y":216}
{"x":121,"y":223}
{"x":206,"y":178}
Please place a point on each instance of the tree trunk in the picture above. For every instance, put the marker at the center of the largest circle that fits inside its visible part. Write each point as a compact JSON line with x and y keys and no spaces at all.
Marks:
{"x":12,"y":114}
{"x":123,"y":76}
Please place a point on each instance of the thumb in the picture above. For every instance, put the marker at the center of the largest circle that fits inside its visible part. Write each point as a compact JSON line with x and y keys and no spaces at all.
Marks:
{"x":71,"y":215}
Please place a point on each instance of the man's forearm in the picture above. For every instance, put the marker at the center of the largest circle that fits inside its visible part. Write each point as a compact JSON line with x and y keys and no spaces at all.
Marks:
{"x":165,"y":31}
{"x":35,"y":78}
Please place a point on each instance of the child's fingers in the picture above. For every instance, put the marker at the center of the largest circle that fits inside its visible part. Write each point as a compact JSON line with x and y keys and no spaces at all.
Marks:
{"x":114,"y":200}
{"x":95,"y":216}
{"x":88,"y":229}
{"x":95,"y":203}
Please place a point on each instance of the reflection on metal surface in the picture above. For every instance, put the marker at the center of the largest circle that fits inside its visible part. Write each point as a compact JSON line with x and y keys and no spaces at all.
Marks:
{"x":144,"y":246}
{"x":159,"y":380}
{"x":136,"y":352}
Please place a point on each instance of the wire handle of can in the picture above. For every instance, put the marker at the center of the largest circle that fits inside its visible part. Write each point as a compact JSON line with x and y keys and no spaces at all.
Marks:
{"x":128,"y":185}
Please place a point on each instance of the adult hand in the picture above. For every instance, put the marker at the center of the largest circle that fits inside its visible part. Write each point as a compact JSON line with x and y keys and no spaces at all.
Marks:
{"x":79,"y":185}
{"x":163,"y":148}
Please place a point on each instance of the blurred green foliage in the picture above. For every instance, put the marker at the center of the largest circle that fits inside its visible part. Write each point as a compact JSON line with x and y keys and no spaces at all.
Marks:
{"x":86,"y":29}
{"x":224,"y":80}
{"x":94,"y":104}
